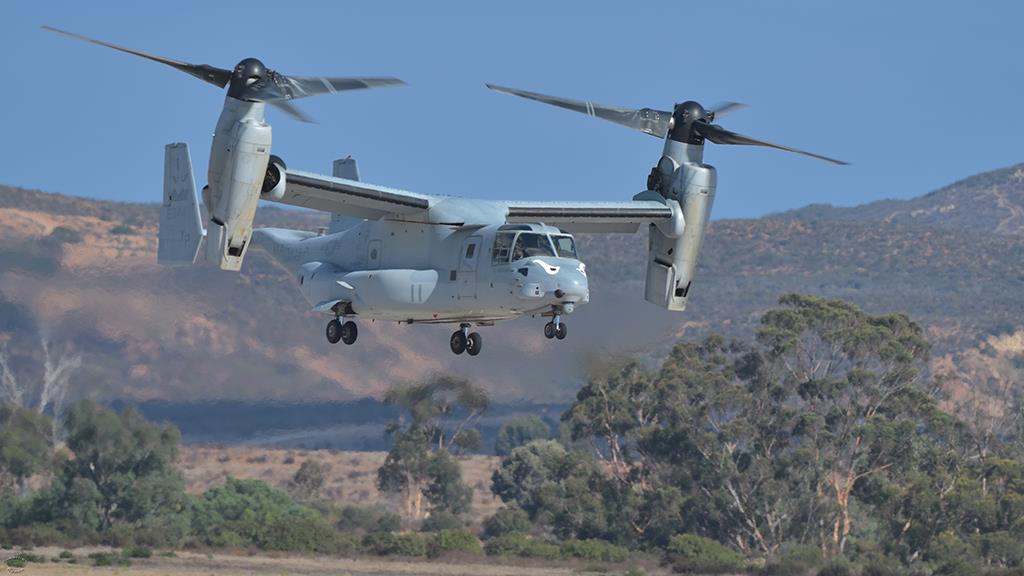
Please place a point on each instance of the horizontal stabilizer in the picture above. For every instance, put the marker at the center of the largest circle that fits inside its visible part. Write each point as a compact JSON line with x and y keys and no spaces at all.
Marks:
{"x":181,"y":224}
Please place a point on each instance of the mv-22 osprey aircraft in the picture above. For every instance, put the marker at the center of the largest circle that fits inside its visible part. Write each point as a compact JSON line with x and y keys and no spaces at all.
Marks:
{"x":418,"y":258}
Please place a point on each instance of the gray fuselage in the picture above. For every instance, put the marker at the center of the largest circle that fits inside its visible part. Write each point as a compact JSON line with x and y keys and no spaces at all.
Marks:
{"x":404,"y":271}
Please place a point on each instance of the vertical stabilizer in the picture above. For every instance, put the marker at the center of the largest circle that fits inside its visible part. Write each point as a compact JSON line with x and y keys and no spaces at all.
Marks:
{"x":348,"y":169}
{"x":181,"y":225}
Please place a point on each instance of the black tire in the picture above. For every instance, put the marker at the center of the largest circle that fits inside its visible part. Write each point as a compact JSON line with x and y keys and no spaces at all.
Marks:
{"x":334,"y":331}
{"x":474,"y":344}
{"x":549,"y":330}
{"x":349,"y":332}
{"x":561,"y":331}
{"x":458,"y":342}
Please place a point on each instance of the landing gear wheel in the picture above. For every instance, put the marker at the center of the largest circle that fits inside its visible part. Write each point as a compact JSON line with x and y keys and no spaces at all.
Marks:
{"x":549,"y":330}
{"x":474,"y":344}
{"x":334,"y":331}
{"x":458,"y":342}
{"x":349,"y":332}
{"x":561,"y":331}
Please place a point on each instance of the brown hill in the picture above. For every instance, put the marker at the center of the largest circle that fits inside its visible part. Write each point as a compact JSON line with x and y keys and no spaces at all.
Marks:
{"x":987,"y":202}
{"x":82,"y":274}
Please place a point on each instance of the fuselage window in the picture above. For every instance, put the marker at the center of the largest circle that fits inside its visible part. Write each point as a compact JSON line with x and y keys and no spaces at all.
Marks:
{"x":470,"y":251}
{"x":565,"y":246}
{"x":531,"y":244}
{"x":502,"y":248}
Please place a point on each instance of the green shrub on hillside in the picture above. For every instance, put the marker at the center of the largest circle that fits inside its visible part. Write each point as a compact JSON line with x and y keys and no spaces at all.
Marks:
{"x":518,"y":544}
{"x":396,"y":544}
{"x":438,"y":521}
{"x":243,"y":513}
{"x":796,"y":559}
{"x":593,"y":549}
{"x":137,"y":552}
{"x":506,"y":521}
{"x":354,"y":518}
{"x":692,"y":554}
{"x":446,"y":541}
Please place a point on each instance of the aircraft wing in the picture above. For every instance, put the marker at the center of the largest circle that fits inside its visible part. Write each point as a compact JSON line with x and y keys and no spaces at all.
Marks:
{"x":590,"y":217}
{"x":350,"y":197}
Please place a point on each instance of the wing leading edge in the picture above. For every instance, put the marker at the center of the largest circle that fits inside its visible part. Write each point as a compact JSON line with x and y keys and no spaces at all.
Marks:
{"x":350,"y":197}
{"x":361,"y":200}
{"x":591,"y":217}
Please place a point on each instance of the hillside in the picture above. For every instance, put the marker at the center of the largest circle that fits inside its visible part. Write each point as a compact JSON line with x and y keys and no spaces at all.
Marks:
{"x":82,"y":273}
{"x":987,"y":202}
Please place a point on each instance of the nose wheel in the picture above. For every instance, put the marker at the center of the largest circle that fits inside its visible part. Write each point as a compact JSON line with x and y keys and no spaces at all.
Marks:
{"x":463,"y":340}
{"x":342,"y":332}
{"x":556,"y":328}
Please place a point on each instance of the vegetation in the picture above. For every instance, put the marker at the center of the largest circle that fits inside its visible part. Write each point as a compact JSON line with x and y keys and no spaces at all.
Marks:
{"x":816,"y":447}
{"x":440,"y":413}
{"x":519,"y":431}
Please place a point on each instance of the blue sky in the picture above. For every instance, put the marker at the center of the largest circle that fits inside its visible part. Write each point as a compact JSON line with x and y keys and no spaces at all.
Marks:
{"x":914,"y":94}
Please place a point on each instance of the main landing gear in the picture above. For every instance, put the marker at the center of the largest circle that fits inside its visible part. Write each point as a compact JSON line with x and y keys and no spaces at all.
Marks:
{"x":556,"y":328}
{"x":344,"y":332}
{"x":465,"y":341}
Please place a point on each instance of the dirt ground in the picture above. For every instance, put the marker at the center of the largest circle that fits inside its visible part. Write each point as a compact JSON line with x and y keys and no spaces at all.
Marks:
{"x":193,"y":564}
{"x":351,"y":476}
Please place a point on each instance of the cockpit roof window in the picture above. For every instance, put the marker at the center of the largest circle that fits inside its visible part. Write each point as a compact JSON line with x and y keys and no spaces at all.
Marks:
{"x":531,"y":244}
{"x":565,"y":246}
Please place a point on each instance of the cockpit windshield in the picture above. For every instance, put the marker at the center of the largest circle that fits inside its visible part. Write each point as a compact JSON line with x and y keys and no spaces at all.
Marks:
{"x":512,"y":246}
{"x":565,"y":246}
{"x":531,"y":244}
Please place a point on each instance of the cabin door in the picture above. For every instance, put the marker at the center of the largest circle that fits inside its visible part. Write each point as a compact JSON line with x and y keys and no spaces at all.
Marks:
{"x":467,"y":266}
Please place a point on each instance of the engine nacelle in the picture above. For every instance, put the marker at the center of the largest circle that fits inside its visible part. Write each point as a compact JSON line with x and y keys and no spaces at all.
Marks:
{"x":672,"y":257}
{"x":238,"y":167}
{"x":274,"y":181}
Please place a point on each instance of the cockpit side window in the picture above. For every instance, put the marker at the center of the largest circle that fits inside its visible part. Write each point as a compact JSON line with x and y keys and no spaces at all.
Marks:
{"x":531,"y":244}
{"x":502,"y":247}
{"x":565,"y":246}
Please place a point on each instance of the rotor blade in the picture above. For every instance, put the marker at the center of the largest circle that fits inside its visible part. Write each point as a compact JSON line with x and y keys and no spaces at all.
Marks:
{"x":646,"y":120}
{"x":719,"y":135}
{"x":216,"y":76}
{"x":301,"y":86}
{"x":291,"y":110}
{"x":724,"y":108}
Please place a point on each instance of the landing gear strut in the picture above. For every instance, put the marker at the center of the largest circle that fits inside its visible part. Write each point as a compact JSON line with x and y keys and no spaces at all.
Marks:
{"x":556,"y":328}
{"x":342,"y":332}
{"x":463,"y":340}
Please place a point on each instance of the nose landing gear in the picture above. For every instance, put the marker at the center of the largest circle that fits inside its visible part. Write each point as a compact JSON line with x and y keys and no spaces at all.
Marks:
{"x":342,"y":332}
{"x":465,"y":341}
{"x":556,"y":328}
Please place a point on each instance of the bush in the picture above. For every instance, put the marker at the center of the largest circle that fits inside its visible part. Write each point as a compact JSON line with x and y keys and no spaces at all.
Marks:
{"x":453,"y":541}
{"x":137,"y":552}
{"x":593,"y":550}
{"x":16,"y":562}
{"x":122,"y":230}
{"x":392,"y":544}
{"x":520,"y":431}
{"x":838,"y":566}
{"x":796,"y":560}
{"x":506,"y":521}
{"x":364,"y":519}
{"x":29,"y":557}
{"x":108,"y":559}
{"x":35,"y":535}
{"x":295,"y":533}
{"x":689,"y":554}
{"x":441,"y":521}
{"x":518,"y":544}
{"x":65,"y":554}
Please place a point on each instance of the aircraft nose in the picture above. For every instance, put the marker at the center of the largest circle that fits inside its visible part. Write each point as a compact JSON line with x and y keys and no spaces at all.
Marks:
{"x":571,"y":286}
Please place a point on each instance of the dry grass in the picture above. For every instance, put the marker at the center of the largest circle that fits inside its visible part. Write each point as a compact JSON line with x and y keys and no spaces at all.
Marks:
{"x":351,"y":476}
{"x":194,"y":564}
